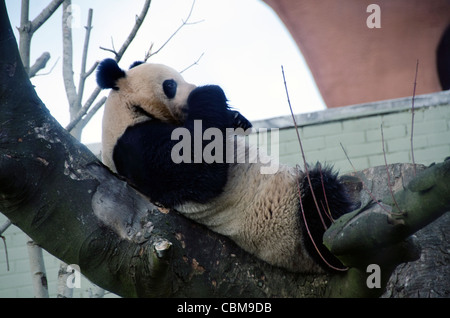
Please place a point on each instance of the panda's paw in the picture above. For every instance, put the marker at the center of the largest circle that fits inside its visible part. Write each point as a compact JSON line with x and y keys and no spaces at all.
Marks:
{"x":209,"y":104}
{"x":239,"y":121}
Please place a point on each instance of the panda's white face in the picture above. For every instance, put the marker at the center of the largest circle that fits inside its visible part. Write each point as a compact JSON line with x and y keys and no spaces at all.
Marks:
{"x":158,"y":90}
{"x":146,"y":91}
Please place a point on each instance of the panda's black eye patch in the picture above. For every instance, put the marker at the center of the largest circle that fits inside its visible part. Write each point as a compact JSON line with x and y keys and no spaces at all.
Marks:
{"x":170,"y":88}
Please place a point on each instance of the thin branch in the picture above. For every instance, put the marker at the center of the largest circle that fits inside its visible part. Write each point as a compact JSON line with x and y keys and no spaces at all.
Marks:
{"x":118,"y":55}
{"x":40,"y":63}
{"x":91,"y":70}
{"x":84,"y":121}
{"x":109,"y":50}
{"x":6,"y":250}
{"x":45,"y":14}
{"x":130,"y":38}
{"x":83,"y":109}
{"x":5,"y":226}
{"x":387,"y":172}
{"x":193,"y":64}
{"x":310,"y":185}
{"x":37,"y":268}
{"x":84,"y":58}
{"x":412,"y":117}
{"x":148,"y":54}
{"x":69,"y":83}
{"x":184,"y":22}
{"x":301,"y":149}
{"x":27,"y":28}
{"x":363,"y":184}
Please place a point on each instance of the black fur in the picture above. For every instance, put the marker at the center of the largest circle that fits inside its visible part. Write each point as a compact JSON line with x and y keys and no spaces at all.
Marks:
{"x":323,"y":179}
{"x":143,"y":154}
{"x":108,"y":72}
{"x":170,"y":88}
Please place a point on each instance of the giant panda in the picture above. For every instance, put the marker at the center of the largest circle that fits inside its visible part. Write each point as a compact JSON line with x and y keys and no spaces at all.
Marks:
{"x":272,"y":216}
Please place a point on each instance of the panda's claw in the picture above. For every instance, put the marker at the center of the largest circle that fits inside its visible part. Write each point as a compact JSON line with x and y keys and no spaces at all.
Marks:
{"x":239,"y":121}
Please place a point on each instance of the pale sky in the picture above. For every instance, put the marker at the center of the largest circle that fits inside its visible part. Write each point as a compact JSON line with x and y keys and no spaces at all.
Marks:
{"x":243,"y":41}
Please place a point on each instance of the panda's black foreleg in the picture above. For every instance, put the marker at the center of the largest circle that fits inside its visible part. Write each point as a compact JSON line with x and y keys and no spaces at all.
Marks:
{"x":332,"y":202}
{"x":144,"y":155}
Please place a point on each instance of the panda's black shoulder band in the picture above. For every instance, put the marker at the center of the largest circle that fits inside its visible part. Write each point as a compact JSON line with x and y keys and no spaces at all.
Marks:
{"x":108,"y":72}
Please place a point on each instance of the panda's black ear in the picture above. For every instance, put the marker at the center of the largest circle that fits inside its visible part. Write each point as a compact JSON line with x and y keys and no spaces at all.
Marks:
{"x":136,"y":64}
{"x":108,"y":72}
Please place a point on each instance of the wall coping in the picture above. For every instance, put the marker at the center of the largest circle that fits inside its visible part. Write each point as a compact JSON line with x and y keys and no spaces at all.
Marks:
{"x":356,"y":111}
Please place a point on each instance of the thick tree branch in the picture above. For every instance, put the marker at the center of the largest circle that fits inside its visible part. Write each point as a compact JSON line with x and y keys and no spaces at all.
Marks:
{"x":377,"y":225}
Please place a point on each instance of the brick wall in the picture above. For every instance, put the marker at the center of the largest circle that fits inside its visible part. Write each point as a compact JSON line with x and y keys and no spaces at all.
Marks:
{"x":356,"y":127}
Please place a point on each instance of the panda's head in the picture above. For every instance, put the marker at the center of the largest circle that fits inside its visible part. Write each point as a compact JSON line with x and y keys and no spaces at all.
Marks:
{"x":146,"y":91}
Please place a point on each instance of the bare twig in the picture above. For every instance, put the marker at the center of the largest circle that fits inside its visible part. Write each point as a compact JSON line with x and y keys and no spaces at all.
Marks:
{"x":118,"y":55}
{"x":387,"y":172}
{"x":148,"y":53}
{"x":193,"y":64}
{"x":92,"y":111}
{"x":412,"y":117}
{"x":363,"y":184}
{"x":69,"y":83}
{"x":310,"y":185}
{"x":6,"y":250}
{"x":5,"y":226}
{"x":113,"y":51}
{"x":184,"y":23}
{"x":26,"y":30}
{"x":301,"y":149}
{"x":130,"y":38}
{"x":92,"y":69}
{"x":83,"y":75}
{"x":40,"y":63}
{"x":37,"y":267}
{"x":83,"y":109}
{"x":49,"y":71}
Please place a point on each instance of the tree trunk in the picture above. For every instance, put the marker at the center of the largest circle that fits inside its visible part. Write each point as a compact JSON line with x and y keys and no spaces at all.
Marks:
{"x":58,"y":193}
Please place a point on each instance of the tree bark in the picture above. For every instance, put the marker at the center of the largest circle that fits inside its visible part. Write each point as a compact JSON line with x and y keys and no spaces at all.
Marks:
{"x":58,"y":193}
